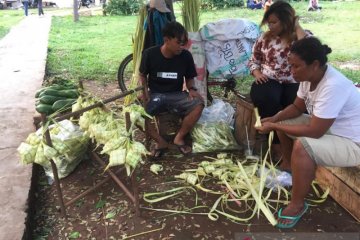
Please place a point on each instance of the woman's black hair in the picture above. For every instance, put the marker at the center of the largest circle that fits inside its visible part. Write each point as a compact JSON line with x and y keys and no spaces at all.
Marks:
{"x":311,"y":49}
{"x":174,"y":30}
{"x":286,"y":15}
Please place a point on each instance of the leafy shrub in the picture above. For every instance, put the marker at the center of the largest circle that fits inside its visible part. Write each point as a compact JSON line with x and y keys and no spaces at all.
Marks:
{"x":123,"y":7}
{"x":217,"y":4}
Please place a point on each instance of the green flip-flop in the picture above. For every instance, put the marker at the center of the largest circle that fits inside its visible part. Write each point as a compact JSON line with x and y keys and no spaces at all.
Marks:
{"x":293,"y":219}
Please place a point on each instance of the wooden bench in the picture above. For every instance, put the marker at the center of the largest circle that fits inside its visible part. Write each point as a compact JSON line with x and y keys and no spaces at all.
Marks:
{"x":344,"y":184}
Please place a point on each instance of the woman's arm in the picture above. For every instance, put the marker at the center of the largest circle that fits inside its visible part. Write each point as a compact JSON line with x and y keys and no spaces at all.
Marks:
{"x":315,"y":129}
{"x":257,"y":58}
{"x":299,"y":31}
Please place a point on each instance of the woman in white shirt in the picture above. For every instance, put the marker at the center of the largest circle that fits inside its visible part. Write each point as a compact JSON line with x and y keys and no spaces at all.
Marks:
{"x":329,"y":135}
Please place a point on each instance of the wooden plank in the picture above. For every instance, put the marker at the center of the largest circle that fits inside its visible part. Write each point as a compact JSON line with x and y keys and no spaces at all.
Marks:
{"x":349,"y":175}
{"x":340,"y":191}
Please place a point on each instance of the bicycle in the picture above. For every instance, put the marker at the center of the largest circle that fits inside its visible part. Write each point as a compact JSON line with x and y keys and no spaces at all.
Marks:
{"x":125,"y":72}
{"x":228,"y":85}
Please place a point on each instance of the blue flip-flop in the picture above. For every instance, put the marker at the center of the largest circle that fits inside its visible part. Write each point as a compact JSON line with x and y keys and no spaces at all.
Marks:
{"x":293,"y":219}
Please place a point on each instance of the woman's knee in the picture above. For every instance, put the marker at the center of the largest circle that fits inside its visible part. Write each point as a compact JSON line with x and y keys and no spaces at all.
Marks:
{"x":301,"y":156}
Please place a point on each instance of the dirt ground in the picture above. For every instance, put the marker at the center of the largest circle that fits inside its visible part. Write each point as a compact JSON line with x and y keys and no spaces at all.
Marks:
{"x":107,"y":213}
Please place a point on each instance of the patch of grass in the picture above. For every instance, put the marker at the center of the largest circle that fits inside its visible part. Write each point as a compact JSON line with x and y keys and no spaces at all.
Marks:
{"x":351,"y":74}
{"x":94,"y":47}
{"x":89,"y":49}
{"x":9,"y":18}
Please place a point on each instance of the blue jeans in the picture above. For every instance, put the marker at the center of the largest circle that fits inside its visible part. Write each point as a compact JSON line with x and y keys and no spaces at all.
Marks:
{"x":26,"y":7}
{"x":40,"y":9}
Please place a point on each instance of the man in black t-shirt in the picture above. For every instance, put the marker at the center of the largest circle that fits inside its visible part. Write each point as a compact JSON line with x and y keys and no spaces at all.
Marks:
{"x":163,"y":70}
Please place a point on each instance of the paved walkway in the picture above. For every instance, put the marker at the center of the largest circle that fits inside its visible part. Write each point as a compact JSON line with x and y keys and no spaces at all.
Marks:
{"x":22,"y":66}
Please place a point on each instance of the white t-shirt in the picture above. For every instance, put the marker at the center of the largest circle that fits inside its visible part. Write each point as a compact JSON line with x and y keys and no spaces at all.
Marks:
{"x":334,"y":97}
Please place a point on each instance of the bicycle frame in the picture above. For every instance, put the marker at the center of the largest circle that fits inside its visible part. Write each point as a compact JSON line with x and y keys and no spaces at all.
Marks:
{"x":228,"y":84}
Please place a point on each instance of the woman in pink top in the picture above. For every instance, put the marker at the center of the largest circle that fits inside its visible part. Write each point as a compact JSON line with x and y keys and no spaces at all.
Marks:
{"x":274,"y":87}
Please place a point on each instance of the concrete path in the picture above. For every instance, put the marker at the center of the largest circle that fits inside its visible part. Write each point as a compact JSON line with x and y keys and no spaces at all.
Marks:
{"x":22,"y":68}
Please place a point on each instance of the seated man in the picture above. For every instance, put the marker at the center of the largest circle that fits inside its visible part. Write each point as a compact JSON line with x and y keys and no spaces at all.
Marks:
{"x":162,"y":71}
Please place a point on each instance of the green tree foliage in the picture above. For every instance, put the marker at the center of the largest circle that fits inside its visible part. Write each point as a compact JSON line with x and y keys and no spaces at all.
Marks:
{"x":123,"y":7}
{"x":218,"y":4}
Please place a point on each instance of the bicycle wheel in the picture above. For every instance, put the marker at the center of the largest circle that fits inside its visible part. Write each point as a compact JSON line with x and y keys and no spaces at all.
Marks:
{"x":125,"y":72}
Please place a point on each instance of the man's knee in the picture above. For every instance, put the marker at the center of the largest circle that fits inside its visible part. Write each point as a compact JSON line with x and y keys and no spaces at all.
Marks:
{"x":198,"y":109}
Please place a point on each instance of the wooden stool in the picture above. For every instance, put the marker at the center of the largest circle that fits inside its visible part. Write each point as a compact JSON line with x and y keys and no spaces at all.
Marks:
{"x":244,"y":121}
{"x":344,"y":184}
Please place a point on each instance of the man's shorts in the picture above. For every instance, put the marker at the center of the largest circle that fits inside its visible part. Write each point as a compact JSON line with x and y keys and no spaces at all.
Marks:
{"x":178,"y":103}
{"x":328,"y":150}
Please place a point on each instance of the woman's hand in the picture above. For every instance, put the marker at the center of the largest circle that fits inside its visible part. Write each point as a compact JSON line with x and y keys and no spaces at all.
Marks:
{"x":269,"y":119}
{"x":259,"y":77}
{"x":266,"y":127}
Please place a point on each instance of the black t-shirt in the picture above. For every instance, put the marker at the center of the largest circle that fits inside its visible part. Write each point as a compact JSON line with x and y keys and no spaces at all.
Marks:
{"x":166,"y":74}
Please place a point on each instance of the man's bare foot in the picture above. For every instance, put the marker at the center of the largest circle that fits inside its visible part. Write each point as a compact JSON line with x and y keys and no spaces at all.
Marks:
{"x":159,"y":150}
{"x":184,"y":149}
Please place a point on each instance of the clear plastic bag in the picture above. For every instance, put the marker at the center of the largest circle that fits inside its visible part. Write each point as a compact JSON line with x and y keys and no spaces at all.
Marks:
{"x":71,"y":145}
{"x":218,"y":111}
{"x":277,"y":178}
{"x":213,"y":132}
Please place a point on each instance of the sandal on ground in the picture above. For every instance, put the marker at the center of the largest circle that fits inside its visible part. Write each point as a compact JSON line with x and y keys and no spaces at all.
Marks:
{"x":157,"y":153}
{"x":291,"y":221}
{"x":184,"y":149}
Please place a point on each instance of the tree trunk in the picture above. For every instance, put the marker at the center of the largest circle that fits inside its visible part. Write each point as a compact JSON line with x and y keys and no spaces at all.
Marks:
{"x":76,"y":10}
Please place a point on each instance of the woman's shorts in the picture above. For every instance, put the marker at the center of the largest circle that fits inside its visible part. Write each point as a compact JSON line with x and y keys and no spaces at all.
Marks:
{"x":328,"y":150}
{"x":178,"y":103}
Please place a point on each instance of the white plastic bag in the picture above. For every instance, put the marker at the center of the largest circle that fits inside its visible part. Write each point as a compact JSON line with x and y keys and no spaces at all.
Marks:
{"x":197,"y":49}
{"x":228,"y":46}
